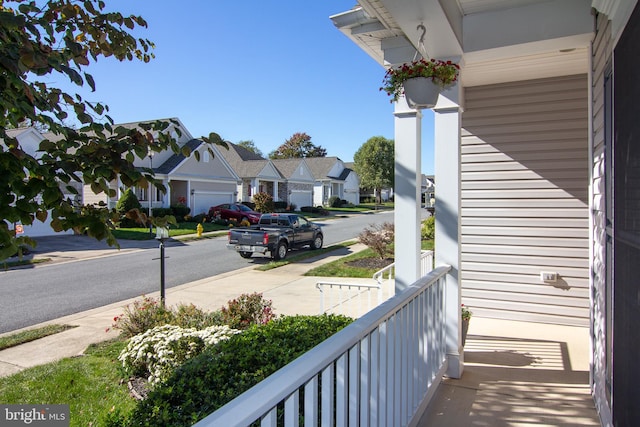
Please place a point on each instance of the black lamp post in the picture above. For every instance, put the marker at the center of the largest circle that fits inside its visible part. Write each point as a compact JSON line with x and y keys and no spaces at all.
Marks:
{"x":162,"y":234}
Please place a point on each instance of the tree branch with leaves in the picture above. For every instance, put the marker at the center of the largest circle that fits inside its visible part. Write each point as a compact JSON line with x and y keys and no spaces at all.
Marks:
{"x":299,"y":145}
{"x":59,"y":39}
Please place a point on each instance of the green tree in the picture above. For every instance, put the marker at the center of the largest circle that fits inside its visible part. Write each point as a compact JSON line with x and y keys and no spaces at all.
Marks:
{"x":374,"y":164}
{"x":54,"y":41}
{"x":251,"y":146}
{"x":299,"y":145}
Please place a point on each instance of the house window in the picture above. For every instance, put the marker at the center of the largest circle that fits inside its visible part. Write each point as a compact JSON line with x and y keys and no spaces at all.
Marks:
{"x":206,"y":157}
{"x":141,"y":193}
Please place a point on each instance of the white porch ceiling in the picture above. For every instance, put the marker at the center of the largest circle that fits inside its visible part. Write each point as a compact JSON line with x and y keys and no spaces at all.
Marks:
{"x":494,"y":40}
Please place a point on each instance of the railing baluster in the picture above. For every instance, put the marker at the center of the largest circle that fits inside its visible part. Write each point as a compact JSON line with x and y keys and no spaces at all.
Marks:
{"x":270,"y":419}
{"x":342,"y":387}
{"x":383,"y":401}
{"x":354,"y":384}
{"x":292,"y":410}
{"x":311,"y":402}
{"x":327,"y":396}
{"x":374,"y":400}
{"x":392,"y":371}
{"x":365,"y":380}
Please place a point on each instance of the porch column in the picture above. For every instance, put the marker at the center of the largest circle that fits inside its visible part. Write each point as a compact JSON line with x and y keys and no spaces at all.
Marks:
{"x":447,"y":232}
{"x":408,"y":138}
{"x":166,"y":197}
{"x":276,"y":197}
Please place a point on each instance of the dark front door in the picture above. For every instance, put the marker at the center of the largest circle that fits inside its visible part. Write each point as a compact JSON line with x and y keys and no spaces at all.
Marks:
{"x":626,"y":226}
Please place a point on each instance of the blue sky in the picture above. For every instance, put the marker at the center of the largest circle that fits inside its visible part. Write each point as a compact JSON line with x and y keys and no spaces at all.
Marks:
{"x":252,"y":70}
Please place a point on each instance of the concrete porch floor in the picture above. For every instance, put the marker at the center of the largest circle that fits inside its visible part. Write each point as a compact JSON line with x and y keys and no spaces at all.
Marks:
{"x":518,"y":374}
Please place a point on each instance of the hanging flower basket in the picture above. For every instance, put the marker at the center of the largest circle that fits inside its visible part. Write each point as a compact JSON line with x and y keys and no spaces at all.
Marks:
{"x":440,"y":74}
{"x":421,"y":92}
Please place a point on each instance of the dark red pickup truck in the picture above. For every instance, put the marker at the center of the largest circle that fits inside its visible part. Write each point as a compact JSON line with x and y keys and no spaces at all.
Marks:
{"x":275,"y":233}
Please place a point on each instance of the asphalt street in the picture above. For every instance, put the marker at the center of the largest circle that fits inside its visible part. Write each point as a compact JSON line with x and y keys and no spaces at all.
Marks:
{"x":87,"y":274}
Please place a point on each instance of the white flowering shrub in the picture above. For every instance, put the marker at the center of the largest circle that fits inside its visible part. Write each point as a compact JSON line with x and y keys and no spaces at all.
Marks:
{"x":157,"y":352}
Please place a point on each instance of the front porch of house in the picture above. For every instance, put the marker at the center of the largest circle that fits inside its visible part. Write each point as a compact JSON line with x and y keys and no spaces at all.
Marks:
{"x":518,"y":373}
{"x":390,"y":367}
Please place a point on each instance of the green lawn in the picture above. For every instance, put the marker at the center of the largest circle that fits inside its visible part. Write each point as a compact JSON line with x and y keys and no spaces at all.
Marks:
{"x":339,"y":268}
{"x":183,"y":228}
{"x":31,"y":335}
{"x":91,"y":385}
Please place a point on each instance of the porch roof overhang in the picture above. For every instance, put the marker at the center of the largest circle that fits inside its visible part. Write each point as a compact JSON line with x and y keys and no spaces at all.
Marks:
{"x":494,"y":41}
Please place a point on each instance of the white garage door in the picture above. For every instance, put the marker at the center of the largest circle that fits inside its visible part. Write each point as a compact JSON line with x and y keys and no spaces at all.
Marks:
{"x":203,"y":200}
{"x":300,"y":199}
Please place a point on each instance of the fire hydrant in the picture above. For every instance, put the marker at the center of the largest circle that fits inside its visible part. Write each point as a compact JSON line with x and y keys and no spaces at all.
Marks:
{"x":199,"y":229}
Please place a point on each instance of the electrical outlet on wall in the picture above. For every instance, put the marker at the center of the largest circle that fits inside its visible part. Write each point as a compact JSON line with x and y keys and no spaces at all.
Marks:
{"x":547,"y":276}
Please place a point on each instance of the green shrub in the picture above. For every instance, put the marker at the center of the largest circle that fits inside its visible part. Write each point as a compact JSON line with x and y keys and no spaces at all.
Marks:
{"x":158,"y":212}
{"x":148,"y":313}
{"x":335,"y":202}
{"x":141,"y":316}
{"x":200,"y":218}
{"x":190,"y":316}
{"x":127,"y":202}
{"x":264,"y":203}
{"x":428,"y":228}
{"x":280,"y":206}
{"x":315,"y":209}
{"x":180,"y":211}
{"x":247,"y":310}
{"x":221,"y":372}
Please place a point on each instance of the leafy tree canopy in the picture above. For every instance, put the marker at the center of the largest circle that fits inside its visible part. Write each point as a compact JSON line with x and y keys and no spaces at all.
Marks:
{"x":299,"y":145}
{"x":41,"y":42}
{"x":374,"y":164}
{"x":251,"y":146}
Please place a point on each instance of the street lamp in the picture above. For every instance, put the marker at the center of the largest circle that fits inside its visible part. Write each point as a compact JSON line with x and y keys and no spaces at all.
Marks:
{"x":162,"y":234}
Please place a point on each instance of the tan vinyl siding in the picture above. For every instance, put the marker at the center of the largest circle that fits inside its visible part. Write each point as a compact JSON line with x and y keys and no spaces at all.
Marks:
{"x":91,"y":198}
{"x":524,"y":200}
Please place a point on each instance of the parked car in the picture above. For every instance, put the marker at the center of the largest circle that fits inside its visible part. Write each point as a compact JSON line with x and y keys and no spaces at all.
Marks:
{"x":235,"y":211}
{"x":277,"y":234}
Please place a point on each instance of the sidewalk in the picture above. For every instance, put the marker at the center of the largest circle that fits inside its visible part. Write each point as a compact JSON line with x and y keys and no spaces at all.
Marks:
{"x":291,"y":293}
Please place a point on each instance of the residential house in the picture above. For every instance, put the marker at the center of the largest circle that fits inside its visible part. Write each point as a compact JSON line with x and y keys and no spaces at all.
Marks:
{"x":199,"y":184}
{"x":333,"y":178}
{"x":257,"y":174}
{"x":537,"y":158}
{"x":297,"y":188}
{"x":29,"y":139}
{"x":428,"y":190}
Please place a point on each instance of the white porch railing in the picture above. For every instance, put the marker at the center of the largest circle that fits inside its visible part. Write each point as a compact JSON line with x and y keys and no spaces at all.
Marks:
{"x":380,"y":370}
{"x":355,"y":299}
